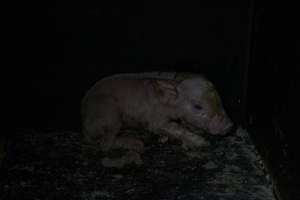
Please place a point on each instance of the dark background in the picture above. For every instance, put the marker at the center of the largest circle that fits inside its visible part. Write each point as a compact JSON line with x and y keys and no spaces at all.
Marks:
{"x":68,"y":46}
{"x":250,"y":50}
{"x":273,"y":92}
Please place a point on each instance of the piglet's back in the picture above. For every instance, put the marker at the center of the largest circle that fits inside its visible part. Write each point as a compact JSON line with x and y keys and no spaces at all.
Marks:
{"x":119,"y":90}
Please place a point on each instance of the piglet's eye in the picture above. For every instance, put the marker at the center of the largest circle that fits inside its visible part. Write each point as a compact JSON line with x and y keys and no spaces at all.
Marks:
{"x":198,"y":107}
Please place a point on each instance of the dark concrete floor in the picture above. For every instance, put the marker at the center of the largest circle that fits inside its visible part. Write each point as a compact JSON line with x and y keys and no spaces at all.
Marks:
{"x":57,"y":165}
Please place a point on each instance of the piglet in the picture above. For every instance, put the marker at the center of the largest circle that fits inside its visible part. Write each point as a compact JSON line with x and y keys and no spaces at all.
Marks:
{"x":168,"y":104}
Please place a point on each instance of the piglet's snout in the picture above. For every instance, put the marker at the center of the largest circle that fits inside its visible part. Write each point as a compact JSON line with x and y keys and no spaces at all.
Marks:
{"x":220,"y":125}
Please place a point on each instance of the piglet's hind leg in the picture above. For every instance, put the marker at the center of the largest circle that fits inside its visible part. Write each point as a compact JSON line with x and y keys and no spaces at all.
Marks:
{"x":130,"y":143}
{"x":132,"y":146}
{"x":102,"y":133}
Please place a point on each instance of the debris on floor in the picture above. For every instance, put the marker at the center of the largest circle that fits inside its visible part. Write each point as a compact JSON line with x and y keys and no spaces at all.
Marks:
{"x":58,"y":165}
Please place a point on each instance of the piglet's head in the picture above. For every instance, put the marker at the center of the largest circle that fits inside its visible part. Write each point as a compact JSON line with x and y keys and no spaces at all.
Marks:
{"x":198,"y":104}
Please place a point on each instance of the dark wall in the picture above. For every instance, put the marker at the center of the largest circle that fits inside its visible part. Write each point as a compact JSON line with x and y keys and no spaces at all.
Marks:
{"x":69,"y":45}
{"x":273,"y":98}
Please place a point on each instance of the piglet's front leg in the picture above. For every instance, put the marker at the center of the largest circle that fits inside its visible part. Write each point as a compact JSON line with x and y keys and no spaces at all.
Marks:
{"x":189,"y":139}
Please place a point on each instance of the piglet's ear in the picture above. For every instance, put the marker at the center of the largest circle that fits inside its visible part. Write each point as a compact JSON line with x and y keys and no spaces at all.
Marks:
{"x":165,"y":89}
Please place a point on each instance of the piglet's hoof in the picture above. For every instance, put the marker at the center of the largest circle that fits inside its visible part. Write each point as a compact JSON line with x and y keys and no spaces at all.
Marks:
{"x":163,"y":139}
{"x":195,"y":144}
{"x":130,"y":143}
{"x":131,"y":157}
